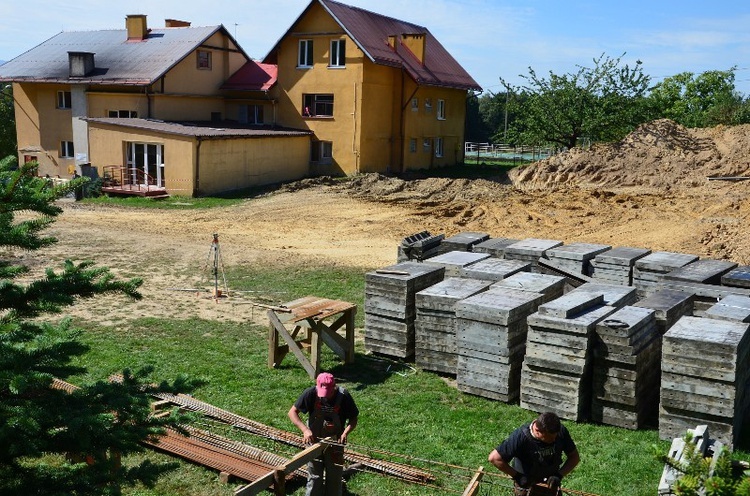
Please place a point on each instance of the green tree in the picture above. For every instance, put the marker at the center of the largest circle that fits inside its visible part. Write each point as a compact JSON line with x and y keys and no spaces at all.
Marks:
{"x":602,"y":103}
{"x":702,"y":100}
{"x":7,"y":122}
{"x":56,"y":441}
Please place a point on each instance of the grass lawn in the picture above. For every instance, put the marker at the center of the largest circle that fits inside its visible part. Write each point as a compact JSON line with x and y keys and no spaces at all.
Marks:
{"x":418,"y":415}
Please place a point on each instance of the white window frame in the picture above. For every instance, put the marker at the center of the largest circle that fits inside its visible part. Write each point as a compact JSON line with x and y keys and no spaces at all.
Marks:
{"x":203,"y":60}
{"x":251,"y":114}
{"x":438,"y":147}
{"x":323,"y":151}
{"x":338,"y":53}
{"x":64,"y":100}
{"x":66,"y":149}
{"x":441,"y":109}
{"x":305,"y":54}
{"x":158,"y":173}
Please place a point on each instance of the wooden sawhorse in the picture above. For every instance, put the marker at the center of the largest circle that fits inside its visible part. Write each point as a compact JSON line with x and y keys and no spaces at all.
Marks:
{"x":309,"y":314}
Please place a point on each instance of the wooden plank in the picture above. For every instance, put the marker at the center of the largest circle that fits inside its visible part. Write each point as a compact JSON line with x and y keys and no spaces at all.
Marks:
{"x":263,"y":482}
{"x":293,"y":346}
{"x":473,"y":488}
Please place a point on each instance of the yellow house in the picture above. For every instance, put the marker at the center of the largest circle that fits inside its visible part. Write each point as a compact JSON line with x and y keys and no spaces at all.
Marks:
{"x":152,"y":111}
{"x":379,"y":94}
{"x":184,"y":110}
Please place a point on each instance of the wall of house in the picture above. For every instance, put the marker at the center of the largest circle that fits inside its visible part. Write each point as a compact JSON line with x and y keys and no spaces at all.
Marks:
{"x":423,"y":124}
{"x":186,"y":108}
{"x":107,"y":147}
{"x":186,"y":78}
{"x":41,"y":126}
{"x":233,"y":164}
{"x":380,"y":110}
{"x":343,"y":129}
{"x":102,"y":102}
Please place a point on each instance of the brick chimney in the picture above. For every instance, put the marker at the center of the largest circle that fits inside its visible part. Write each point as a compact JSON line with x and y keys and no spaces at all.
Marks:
{"x":174,"y":23}
{"x":137,"y":28}
{"x":415,"y":42}
{"x":80,"y":63}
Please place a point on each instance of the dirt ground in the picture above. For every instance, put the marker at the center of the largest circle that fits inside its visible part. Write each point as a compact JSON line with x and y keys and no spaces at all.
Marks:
{"x":650,"y":190}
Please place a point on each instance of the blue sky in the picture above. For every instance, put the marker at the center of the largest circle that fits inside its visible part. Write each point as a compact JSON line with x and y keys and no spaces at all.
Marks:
{"x":490,"y":38}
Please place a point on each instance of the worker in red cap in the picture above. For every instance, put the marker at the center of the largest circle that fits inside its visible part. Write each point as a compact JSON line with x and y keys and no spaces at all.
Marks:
{"x":333,"y":415}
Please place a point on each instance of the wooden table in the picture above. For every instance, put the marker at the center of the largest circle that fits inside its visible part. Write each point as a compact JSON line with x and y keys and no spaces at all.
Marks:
{"x":313,"y":321}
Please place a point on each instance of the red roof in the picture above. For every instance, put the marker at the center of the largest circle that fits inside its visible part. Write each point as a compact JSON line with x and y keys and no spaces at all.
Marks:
{"x":370,"y":31}
{"x":253,"y":76}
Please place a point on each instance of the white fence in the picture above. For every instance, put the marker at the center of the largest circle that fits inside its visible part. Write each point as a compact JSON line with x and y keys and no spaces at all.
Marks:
{"x":485,"y":151}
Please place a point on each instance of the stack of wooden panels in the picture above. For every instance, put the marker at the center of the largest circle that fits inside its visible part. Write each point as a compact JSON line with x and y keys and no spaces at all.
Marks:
{"x":390,"y":310}
{"x":576,"y":257}
{"x":704,"y":378}
{"x":494,"y":246}
{"x":454,"y":261}
{"x":649,"y":270}
{"x":494,"y":269}
{"x":735,"y":308}
{"x":627,"y":350}
{"x":491,"y":332}
{"x":670,"y":306}
{"x":616,"y":265}
{"x":700,"y":272}
{"x":614,"y":294}
{"x":531,"y":250}
{"x":551,"y":287}
{"x":463,"y":241}
{"x":435,"y":326}
{"x":556,"y":370}
{"x":739,"y":277}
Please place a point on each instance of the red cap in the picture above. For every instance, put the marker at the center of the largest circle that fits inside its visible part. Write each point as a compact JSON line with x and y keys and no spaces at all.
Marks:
{"x":325,"y":384}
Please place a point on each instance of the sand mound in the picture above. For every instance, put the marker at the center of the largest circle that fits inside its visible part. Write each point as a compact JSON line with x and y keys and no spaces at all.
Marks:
{"x":660,"y":154}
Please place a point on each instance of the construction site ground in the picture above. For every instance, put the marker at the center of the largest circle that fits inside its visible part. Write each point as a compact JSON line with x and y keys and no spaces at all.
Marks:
{"x":649,"y":191}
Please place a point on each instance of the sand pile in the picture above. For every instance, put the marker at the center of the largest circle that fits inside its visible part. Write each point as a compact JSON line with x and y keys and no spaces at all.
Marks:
{"x":659,"y":155}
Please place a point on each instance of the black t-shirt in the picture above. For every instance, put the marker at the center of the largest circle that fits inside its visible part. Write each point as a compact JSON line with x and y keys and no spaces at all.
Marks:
{"x":308,"y":401}
{"x":535,"y":458}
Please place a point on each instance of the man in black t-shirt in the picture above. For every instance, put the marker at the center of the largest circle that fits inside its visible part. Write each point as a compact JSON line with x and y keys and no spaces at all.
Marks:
{"x":332,"y":414}
{"x":533,"y":454}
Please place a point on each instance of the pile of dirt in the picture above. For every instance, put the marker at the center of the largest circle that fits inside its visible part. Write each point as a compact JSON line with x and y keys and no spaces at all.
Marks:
{"x":659,"y":155}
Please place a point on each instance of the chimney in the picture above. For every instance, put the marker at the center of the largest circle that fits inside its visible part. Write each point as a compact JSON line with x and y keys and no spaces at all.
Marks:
{"x":80,"y":64}
{"x":137,"y":28}
{"x":174,"y":23}
{"x":416,"y":44}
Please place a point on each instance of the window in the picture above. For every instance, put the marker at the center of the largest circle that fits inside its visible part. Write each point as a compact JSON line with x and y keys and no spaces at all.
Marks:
{"x":441,"y":110}
{"x":321,"y":152}
{"x":145,"y":163}
{"x":251,"y":114}
{"x":427,"y":105}
{"x":413,"y":145}
{"x":63,"y":100}
{"x":316,"y":105}
{"x":122,"y":114}
{"x":438,"y":147}
{"x":66,"y":149}
{"x":305,"y":56}
{"x":204,"y":59}
{"x":338,"y":53}
{"x":426,"y":145}
{"x":414,"y":104}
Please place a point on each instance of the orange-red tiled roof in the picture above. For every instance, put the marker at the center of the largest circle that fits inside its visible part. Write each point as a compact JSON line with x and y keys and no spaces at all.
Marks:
{"x":253,"y":76}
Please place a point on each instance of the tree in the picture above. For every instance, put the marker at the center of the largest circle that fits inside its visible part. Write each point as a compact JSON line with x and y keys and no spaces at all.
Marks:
{"x":7,"y":122}
{"x":702,"y":100}
{"x":39,"y":424}
{"x":603,"y":103}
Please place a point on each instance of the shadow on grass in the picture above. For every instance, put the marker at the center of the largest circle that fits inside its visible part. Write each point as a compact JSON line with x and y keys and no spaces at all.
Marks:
{"x":371,"y":369}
